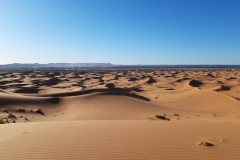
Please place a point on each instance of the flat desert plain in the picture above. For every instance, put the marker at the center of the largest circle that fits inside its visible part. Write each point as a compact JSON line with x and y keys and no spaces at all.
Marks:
{"x":132,"y":115}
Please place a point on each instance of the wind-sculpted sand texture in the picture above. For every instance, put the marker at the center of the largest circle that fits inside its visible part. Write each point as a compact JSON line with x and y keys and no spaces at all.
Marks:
{"x":171,"y":114}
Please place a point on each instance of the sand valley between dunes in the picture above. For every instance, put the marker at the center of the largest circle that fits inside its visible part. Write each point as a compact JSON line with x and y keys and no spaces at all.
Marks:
{"x":131,"y":115}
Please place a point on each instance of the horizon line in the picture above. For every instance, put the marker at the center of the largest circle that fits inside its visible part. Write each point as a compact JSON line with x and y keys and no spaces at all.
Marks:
{"x":116,"y":64}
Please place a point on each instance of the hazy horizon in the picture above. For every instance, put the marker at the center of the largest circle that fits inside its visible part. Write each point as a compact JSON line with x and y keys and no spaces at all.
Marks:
{"x":126,"y":64}
{"x":127,"y":32}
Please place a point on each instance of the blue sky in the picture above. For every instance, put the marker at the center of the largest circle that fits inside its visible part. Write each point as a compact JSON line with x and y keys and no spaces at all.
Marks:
{"x":120,"y":31}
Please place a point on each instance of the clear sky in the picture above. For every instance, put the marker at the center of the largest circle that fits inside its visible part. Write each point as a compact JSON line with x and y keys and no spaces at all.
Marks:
{"x":120,"y":31}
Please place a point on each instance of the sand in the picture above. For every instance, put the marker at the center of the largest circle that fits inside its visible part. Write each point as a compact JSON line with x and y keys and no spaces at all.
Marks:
{"x":112,"y":115}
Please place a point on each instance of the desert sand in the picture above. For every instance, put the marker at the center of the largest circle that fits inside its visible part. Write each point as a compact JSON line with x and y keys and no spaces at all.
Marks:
{"x":160,"y":114}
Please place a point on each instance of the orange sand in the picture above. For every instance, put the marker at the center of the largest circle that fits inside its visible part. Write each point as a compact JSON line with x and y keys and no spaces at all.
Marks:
{"x":84,"y":119}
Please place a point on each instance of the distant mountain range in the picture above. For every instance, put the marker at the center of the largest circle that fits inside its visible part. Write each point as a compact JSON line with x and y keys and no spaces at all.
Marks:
{"x":112,"y":65}
{"x":58,"y":65}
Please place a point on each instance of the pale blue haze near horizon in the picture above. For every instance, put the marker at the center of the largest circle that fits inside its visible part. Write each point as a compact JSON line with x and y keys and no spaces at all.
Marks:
{"x":120,"y":31}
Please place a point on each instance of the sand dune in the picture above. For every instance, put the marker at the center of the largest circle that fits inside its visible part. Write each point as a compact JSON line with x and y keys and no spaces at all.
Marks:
{"x":111,"y":115}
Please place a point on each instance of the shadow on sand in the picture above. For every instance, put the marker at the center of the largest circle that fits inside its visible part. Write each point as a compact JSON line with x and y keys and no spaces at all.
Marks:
{"x":112,"y":91}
